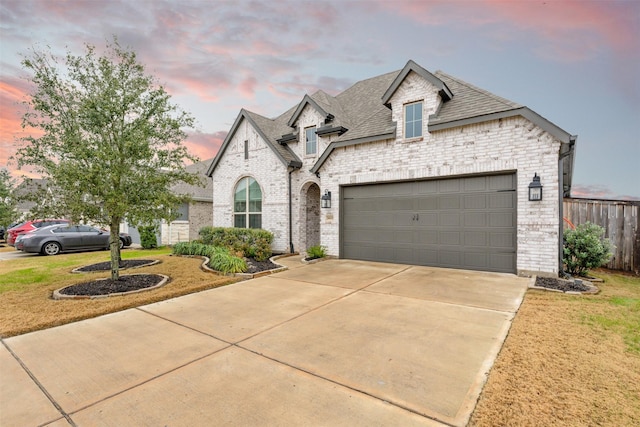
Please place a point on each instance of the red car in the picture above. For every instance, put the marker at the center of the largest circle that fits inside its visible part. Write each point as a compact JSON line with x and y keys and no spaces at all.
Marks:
{"x":29,"y":226}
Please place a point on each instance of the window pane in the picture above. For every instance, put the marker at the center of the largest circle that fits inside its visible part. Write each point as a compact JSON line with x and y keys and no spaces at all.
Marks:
{"x":255,"y":194}
{"x":255,"y":206}
{"x":311,"y":138}
{"x":255,"y":221}
{"x":240,"y":197}
{"x":240,"y":221}
{"x":413,"y":120}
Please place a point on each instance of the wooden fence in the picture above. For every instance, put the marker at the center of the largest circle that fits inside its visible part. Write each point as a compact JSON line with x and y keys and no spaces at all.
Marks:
{"x":619,"y":218}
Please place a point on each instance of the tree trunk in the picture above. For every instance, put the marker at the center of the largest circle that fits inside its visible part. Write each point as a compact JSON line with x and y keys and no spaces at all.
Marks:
{"x":114,"y":245}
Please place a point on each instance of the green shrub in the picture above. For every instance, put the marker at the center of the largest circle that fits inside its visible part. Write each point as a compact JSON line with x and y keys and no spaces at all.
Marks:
{"x":250,"y":242}
{"x":220,"y":259}
{"x":148,"y":238}
{"x":585,"y":248}
{"x":316,"y":252}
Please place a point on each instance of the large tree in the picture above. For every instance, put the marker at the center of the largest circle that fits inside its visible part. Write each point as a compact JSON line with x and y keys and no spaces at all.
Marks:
{"x":8,"y":212}
{"x":108,"y":140}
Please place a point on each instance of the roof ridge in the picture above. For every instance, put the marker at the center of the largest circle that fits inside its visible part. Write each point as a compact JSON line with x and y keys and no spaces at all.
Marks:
{"x":480,"y":90}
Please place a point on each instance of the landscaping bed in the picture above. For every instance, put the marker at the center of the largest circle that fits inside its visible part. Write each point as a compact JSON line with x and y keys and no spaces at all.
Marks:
{"x":103,"y":287}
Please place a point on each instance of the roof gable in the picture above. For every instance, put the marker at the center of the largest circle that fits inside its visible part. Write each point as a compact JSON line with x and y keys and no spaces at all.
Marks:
{"x":307,"y":100}
{"x":268,"y":130}
{"x":443,"y":90}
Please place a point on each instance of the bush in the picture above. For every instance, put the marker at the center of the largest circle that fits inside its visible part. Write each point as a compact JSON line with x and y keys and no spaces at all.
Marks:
{"x":585,"y":248}
{"x":249,"y":242}
{"x":148,"y":238}
{"x":220,"y":259}
{"x":316,"y":252}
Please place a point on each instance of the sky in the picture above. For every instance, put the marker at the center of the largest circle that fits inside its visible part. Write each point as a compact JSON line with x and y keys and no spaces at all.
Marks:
{"x":576,"y":63}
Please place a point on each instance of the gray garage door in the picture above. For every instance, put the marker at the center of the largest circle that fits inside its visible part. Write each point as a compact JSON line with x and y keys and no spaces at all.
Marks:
{"x":467,"y":222}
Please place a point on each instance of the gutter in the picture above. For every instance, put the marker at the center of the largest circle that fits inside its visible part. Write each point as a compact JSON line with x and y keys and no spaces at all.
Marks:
{"x":291,"y":169}
{"x":561,"y":157}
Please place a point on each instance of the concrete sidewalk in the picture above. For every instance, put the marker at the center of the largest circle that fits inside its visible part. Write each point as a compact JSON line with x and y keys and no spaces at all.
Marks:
{"x":333,"y":343}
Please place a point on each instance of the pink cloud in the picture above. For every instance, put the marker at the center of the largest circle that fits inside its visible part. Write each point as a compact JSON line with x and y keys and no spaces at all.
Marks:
{"x":205,"y":145}
{"x":248,"y":87}
{"x":598,"y":192}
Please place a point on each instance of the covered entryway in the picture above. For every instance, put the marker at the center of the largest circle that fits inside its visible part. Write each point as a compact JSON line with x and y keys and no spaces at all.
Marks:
{"x":310,"y":214}
{"x":465,"y":222}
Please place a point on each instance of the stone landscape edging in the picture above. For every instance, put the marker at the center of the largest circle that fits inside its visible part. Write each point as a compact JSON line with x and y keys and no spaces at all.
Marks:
{"x":205,"y":261}
{"x":59,"y":296}
{"x":76,"y":270}
{"x":592,"y":289}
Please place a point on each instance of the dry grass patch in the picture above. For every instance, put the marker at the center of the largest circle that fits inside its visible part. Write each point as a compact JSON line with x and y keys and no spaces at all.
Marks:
{"x":26,"y":286}
{"x":569,"y":361}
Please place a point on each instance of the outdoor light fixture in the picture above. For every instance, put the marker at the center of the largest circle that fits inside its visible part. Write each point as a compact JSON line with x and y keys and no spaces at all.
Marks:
{"x":325,"y":200}
{"x":535,"y":189}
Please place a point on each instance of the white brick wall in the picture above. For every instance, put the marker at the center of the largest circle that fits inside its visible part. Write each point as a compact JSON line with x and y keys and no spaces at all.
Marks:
{"x":270,"y":173}
{"x":506,"y":145}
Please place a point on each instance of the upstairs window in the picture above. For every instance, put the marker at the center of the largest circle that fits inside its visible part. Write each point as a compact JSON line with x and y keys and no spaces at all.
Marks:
{"x":247,"y":204}
{"x":312,"y":140}
{"x":413,"y":120}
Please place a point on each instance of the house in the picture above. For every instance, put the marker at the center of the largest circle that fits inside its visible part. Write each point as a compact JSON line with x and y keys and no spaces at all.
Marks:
{"x":414,"y":167}
{"x":192,"y":216}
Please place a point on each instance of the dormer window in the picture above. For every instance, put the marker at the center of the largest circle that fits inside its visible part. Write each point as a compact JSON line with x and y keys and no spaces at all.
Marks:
{"x":311,"y":138}
{"x":413,"y":120}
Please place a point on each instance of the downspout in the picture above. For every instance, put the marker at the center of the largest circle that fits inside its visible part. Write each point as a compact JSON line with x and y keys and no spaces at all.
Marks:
{"x":291,"y":169}
{"x":561,"y":157}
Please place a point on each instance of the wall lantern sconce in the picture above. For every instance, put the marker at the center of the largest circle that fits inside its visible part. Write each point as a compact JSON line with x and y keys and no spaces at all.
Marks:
{"x":325,"y":200}
{"x":535,"y":189}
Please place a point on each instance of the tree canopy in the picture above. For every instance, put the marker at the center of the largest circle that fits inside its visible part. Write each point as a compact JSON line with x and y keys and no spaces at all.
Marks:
{"x":107,"y":139}
{"x":8,"y":212}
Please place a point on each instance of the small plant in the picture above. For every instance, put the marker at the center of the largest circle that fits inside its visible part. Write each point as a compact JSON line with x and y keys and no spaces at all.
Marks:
{"x":148,"y":238}
{"x":254,"y":243}
{"x":220,"y":259}
{"x":585,"y":248}
{"x":316,"y":251}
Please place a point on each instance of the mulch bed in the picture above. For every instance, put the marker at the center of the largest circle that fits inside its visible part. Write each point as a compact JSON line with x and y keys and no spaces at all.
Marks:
{"x":107,"y":286}
{"x":254,"y":266}
{"x":561,"y":284}
{"x":124,"y":264}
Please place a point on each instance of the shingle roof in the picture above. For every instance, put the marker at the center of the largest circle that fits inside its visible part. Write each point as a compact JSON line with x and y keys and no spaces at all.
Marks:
{"x":468,"y":101}
{"x":198,"y":193}
{"x":361,"y":110}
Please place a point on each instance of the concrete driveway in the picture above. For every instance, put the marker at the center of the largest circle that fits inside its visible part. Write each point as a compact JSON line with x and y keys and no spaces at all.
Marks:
{"x":339,"y":342}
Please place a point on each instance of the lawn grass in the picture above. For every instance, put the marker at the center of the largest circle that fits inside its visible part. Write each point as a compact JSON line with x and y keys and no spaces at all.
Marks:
{"x":26,"y":286}
{"x":569,"y":360}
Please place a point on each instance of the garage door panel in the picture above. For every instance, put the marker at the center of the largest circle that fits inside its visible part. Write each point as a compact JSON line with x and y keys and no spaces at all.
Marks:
{"x":502,"y":220}
{"x":449,"y":237}
{"x":449,"y":202}
{"x":476,"y":183}
{"x":449,"y":219}
{"x":502,"y":240}
{"x":501,"y":182}
{"x":449,"y":185}
{"x":476,"y":219}
{"x":426,"y":237}
{"x":465,"y":222}
{"x":476,"y":238}
{"x":504,"y":200}
{"x":475,"y":201}
{"x":429,"y":203}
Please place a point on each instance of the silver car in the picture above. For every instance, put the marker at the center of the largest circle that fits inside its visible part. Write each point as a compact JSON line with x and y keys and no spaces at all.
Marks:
{"x":55,"y":239}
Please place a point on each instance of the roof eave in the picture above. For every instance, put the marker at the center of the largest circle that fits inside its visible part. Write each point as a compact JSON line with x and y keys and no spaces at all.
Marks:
{"x":308,"y":100}
{"x":444,"y":91}
{"x":391,"y":134}
{"x":525,"y":112}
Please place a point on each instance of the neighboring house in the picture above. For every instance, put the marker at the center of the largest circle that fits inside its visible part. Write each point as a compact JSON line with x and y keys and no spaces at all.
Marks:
{"x":421,"y":168}
{"x":194,"y":215}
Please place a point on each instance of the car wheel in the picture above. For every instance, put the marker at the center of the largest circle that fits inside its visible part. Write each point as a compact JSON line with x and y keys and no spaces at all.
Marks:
{"x":51,"y":248}
{"x":121,"y":243}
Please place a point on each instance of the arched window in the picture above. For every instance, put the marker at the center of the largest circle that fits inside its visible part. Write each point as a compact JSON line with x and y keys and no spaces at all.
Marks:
{"x":247,"y":204}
